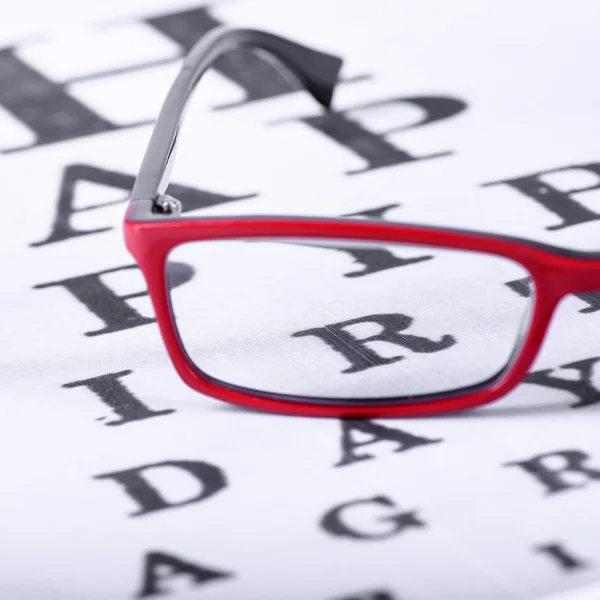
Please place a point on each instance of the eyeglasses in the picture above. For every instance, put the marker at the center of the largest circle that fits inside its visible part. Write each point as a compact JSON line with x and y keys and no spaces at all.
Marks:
{"x":266,"y":321}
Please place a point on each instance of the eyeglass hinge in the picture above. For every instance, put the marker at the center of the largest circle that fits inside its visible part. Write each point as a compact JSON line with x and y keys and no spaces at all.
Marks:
{"x":167,"y":205}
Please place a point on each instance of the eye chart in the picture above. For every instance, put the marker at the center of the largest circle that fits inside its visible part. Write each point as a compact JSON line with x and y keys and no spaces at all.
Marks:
{"x":120,"y":482}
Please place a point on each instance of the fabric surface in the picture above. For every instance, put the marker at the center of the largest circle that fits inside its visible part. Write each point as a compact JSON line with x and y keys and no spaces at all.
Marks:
{"x":118,"y":481}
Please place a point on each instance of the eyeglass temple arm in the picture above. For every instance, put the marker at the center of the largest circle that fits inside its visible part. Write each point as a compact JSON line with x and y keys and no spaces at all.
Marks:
{"x":316,"y":71}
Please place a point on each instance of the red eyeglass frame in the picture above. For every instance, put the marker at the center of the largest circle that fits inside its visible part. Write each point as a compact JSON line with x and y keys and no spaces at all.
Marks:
{"x":153,"y":226}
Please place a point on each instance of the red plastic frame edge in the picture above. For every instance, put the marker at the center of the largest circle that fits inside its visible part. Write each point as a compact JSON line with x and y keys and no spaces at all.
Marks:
{"x":554,"y":276}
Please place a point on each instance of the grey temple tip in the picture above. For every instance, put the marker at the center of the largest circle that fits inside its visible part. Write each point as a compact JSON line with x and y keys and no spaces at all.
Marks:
{"x":318,"y":71}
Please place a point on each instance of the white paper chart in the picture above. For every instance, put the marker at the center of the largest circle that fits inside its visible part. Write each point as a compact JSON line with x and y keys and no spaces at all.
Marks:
{"x":118,"y":481}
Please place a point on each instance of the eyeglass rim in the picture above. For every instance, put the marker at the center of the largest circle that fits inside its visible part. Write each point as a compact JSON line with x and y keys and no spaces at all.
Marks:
{"x":554,"y":275}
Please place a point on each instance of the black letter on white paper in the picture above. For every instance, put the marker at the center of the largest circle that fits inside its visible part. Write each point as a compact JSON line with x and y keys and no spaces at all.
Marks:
{"x":42,"y":105}
{"x":112,"y":309}
{"x":112,"y":391}
{"x":570,"y":474}
{"x":334,"y":520}
{"x":373,"y":147}
{"x":562,"y":556}
{"x":357,"y":351}
{"x":581,"y":387}
{"x":210,"y":477}
{"x":62,"y":229}
{"x":159,"y":566}
{"x":559,"y":201}
{"x":402,"y":440}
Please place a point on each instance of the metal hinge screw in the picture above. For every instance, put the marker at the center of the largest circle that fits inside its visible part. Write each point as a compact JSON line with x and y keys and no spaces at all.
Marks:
{"x":167,"y":205}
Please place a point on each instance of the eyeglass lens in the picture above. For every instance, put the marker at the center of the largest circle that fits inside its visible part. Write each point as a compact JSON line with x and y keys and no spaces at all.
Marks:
{"x":346,"y":320}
